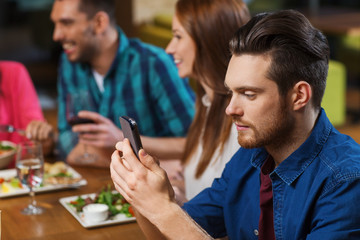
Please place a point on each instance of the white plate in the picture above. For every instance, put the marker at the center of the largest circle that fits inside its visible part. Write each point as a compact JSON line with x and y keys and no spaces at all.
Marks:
{"x":119,"y":218}
{"x":9,"y":173}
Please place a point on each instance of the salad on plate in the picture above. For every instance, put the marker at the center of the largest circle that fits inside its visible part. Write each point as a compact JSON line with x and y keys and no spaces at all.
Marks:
{"x":114,"y":200}
{"x":120,"y":211}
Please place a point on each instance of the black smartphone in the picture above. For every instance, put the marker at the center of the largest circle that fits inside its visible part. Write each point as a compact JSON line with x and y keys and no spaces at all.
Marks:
{"x":131,"y":132}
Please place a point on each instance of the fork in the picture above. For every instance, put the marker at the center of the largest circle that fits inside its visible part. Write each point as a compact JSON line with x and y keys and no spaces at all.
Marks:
{"x":10,"y":129}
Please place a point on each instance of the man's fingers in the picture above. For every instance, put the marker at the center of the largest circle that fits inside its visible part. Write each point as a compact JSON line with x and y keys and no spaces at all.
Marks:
{"x":121,"y":175}
{"x":98,"y":127}
{"x":139,"y":165}
{"x":86,"y":128}
{"x":149,"y":162}
{"x":130,"y":156}
{"x":119,"y":184}
{"x":119,"y":146}
{"x":122,"y":192}
{"x":96,"y":117}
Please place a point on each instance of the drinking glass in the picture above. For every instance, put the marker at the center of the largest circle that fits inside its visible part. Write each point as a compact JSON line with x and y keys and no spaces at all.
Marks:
{"x":30,"y":171}
{"x":75,"y":102}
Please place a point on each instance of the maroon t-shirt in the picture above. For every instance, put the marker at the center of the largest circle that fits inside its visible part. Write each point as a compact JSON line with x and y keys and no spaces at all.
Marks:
{"x":266,"y":221}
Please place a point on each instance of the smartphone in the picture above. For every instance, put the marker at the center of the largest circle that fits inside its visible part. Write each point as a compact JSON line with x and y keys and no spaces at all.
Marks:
{"x":131,"y":132}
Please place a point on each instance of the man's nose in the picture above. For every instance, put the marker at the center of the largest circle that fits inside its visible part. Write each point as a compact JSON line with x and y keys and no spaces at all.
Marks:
{"x":57,"y":34}
{"x":234,"y":107}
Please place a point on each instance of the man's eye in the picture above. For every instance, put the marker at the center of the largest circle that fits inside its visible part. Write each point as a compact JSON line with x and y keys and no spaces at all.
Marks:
{"x":249,"y":94}
{"x":67,"y":22}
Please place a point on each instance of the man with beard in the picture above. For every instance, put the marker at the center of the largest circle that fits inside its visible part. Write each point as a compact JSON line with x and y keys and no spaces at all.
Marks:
{"x":295,"y":177}
{"x":122,"y":77}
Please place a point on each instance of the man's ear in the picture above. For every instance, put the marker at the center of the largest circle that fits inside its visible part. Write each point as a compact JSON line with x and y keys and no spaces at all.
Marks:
{"x":101,"y":22}
{"x":301,"y":95}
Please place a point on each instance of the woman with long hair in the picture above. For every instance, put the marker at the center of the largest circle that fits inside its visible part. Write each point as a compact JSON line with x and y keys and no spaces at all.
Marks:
{"x":201,"y":33}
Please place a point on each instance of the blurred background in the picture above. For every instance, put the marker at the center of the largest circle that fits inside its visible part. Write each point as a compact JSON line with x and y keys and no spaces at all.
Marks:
{"x":26,"y":36}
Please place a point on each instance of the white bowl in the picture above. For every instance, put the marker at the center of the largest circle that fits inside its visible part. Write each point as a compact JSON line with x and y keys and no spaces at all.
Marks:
{"x":8,"y":156}
{"x":96,"y":212}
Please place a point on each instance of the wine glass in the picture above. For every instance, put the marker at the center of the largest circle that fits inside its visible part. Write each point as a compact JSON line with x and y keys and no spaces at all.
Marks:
{"x":30,"y":171}
{"x":75,"y":102}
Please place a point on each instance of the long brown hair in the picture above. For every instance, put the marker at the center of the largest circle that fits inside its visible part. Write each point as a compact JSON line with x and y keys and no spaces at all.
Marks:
{"x":210,"y":24}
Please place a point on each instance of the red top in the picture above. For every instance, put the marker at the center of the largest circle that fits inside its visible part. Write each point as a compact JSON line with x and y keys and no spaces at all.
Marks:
{"x":266,"y":221}
{"x":19,"y":103}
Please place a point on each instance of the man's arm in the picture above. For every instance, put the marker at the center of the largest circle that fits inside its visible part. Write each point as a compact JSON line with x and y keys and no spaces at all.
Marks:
{"x":102,"y":136}
{"x":149,"y":229}
{"x":176,"y":225}
{"x":102,"y":156}
{"x":146,"y":187}
{"x":164,"y":147}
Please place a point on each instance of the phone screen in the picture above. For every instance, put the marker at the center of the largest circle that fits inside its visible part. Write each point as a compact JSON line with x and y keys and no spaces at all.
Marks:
{"x":131,"y":132}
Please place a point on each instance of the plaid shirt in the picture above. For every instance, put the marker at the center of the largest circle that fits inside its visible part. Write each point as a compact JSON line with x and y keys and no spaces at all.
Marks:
{"x":142,"y":83}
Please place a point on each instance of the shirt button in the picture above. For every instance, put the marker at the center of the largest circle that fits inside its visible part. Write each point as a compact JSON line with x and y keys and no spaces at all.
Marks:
{"x":256,"y":232}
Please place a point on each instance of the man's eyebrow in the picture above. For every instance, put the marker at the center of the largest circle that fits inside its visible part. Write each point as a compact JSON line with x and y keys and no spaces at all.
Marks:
{"x":244,"y":88}
{"x":248,"y":88}
{"x":62,"y":19}
{"x":66,"y":20}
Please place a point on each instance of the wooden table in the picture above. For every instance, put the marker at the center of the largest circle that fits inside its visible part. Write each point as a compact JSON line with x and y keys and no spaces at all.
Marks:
{"x":57,"y":223}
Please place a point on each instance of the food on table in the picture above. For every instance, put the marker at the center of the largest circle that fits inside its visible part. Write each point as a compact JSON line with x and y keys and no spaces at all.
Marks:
{"x":7,"y":153}
{"x":55,"y":168}
{"x":5,"y":148}
{"x":57,"y":173}
{"x":96,"y":212}
{"x":114,"y":200}
{"x":10,"y":185}
{"x":54,"y":173}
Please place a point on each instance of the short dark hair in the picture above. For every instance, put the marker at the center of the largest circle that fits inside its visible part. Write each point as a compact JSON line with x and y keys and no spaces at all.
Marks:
{"x":297,"y":50}
{"x":91,"y":7}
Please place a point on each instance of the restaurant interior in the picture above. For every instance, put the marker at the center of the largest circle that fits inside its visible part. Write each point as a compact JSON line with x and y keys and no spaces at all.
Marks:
{"x":26,"y":36}
{"x":25,"y":30}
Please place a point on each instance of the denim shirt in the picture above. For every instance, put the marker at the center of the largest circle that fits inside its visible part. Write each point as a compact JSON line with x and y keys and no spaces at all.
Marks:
{"x":316,"y":191}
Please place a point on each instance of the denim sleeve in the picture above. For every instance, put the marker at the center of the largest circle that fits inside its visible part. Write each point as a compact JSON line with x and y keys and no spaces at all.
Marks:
{"x":337,"y":214}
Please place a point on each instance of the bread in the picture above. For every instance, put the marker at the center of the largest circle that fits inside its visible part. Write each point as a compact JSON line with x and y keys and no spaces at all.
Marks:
{"x":55,"y":168}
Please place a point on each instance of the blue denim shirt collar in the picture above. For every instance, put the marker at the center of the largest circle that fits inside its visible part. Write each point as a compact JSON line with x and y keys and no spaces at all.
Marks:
{"x":293,"y":166}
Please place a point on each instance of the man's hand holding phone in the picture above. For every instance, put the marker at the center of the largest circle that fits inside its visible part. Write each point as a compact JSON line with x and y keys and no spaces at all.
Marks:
{"x":142,"y":182}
